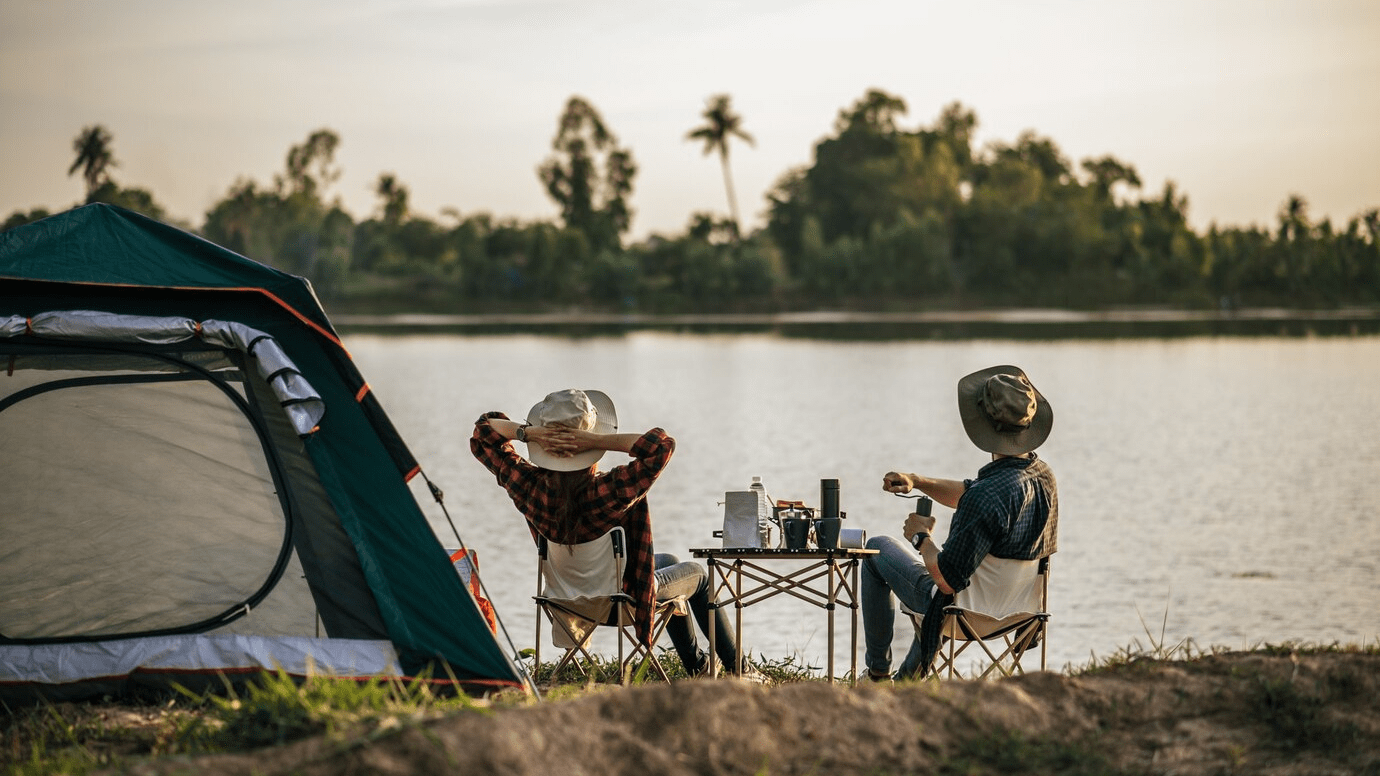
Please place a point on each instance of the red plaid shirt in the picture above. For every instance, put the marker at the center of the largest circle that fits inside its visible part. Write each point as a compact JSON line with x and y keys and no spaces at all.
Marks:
{"x":613,"y":498}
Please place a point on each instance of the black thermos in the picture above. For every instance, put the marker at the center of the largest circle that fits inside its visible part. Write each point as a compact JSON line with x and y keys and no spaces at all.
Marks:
{"x":829,"y":498}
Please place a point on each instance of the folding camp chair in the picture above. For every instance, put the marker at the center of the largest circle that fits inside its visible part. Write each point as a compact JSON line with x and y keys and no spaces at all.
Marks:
{"x":580,"y":587}
{"x":1004,"y":611}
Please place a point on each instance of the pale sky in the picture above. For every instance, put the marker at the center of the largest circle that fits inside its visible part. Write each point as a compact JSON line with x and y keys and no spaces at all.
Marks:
{"x":1239,"y":102}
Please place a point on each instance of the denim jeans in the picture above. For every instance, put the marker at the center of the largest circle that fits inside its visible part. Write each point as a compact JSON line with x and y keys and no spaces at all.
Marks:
{"x":692,"y":581}
{"x":895,"y":570}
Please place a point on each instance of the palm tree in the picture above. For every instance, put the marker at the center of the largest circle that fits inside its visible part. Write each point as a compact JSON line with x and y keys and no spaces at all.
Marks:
{"x":94,"y":157}
{"x":721,"y":124}
{"x":394,"y":197}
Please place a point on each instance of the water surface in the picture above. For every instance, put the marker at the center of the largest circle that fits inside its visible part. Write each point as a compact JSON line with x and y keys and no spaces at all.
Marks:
{"x":1218,"y":489}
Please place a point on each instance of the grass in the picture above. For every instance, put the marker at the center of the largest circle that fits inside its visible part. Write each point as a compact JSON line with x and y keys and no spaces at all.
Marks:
{"x":74,"y":738}
{"x":604,"y":670}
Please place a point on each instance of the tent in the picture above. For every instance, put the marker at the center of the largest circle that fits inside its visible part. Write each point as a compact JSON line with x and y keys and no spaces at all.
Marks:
{"x":195,"y":480}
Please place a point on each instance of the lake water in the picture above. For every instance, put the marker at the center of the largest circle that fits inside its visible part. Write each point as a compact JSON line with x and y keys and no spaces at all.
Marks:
{"x":1223,"y":490}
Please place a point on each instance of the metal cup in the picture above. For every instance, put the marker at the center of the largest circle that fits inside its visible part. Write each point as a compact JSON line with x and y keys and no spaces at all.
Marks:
{"x":853,"y":537}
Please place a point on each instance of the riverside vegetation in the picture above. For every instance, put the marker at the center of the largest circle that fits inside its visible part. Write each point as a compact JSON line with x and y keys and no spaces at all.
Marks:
{"x":884,"y":218}
{"x":1281,"y":709}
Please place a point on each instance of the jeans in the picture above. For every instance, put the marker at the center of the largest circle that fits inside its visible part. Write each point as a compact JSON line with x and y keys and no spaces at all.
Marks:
{"x":692,"y":581}
{"x":895,"y":570}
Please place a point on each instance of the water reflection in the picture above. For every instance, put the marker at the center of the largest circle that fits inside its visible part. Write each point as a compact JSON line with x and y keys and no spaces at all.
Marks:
{"x":1219,"y":489}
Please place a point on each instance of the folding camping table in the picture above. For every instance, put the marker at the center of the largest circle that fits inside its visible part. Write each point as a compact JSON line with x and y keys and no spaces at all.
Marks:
{"x":825,"y":578}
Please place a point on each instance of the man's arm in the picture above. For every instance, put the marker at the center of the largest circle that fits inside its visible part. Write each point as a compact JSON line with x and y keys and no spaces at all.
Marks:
{"x":946,"y":492}
{"x":563,"y":442}
{"x":568,"y":441}
{"x":929,"y":551}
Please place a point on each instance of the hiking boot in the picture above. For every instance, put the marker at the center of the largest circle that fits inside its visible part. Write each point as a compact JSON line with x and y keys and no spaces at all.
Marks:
{"x":701,"y":667}
{"x":751,"y":674}
{"x":880,"y":678}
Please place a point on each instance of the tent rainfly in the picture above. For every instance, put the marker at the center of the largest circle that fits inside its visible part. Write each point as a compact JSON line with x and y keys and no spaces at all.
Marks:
{"x":198,"y":482}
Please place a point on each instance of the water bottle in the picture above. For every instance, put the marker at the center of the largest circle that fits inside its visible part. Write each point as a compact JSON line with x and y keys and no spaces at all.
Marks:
{"x":763,"y":511}
{"x":760,"y":491}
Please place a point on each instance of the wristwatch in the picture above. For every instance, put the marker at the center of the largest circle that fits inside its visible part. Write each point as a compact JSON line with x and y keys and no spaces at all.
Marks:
{"x":918,"y":539}
{"x":522,"y":433}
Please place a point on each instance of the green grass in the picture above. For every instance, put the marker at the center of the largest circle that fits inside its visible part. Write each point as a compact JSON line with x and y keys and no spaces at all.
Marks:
{"x":604,"y":670}
{"x":274,"y":709}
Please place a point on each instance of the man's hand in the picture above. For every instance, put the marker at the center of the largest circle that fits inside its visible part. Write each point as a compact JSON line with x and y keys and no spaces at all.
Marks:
{"x":896,"y":482}
{"x":918,"y":524}
{"x":556,"y":441}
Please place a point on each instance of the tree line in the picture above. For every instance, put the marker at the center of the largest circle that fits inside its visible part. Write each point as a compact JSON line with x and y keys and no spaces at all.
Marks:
{"x":884,"y":218}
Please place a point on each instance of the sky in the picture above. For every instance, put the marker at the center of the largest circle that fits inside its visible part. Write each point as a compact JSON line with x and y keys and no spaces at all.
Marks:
{"x":1240,"y":103}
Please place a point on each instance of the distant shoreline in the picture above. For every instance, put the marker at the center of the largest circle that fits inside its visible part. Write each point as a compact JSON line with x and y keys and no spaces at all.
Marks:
{"x":1012,"y":322}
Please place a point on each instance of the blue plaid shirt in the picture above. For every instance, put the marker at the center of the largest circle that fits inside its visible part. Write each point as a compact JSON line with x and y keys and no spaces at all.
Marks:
{"x":1011,"y":511}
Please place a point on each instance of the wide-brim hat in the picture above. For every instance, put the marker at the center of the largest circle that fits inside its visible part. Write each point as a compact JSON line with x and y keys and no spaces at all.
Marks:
{"x":573,"y":408}
{"x":1002,"y":411}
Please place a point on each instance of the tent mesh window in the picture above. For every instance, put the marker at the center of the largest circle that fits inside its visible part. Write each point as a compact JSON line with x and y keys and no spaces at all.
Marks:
{"x":141,"y":495}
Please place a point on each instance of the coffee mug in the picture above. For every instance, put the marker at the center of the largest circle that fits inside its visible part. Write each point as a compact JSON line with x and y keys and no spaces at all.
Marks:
{"x":827,"y":532}
{"x":797,"y":531}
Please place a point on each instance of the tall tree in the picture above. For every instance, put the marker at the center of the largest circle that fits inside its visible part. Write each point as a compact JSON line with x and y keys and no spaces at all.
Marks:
{"x":721,"y":124}
{"x":1106,"y":172}
{"x":393,"y":197}
{"x":853,"y":181}
{"x":94,"y":157}
{"x":311,"y":165}
{"x":594,"y":204}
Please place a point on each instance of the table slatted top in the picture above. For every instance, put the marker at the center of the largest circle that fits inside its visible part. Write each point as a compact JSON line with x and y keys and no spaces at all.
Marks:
{"x":773,"y":553}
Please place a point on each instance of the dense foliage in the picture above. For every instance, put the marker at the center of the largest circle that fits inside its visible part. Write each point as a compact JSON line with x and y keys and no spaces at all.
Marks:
{"x":885,"y":217}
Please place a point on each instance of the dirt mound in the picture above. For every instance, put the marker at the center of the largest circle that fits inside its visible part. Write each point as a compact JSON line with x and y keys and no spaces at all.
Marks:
{"x":1258,"y":713}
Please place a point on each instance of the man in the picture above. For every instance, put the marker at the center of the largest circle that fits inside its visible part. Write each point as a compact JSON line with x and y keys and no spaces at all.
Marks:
{"x":1010,"y":510}
{"x":563,"y":496}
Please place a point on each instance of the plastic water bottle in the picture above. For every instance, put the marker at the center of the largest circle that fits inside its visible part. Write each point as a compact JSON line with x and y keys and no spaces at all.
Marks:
{"x":760,"y":491}
{"x":763,"y":510}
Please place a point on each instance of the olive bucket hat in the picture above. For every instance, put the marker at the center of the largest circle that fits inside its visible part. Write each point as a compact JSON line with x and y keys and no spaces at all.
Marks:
{"x":572,"y":408}
{"x":1002,"y":412}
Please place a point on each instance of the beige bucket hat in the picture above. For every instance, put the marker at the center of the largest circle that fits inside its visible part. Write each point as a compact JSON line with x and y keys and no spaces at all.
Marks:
{"x":586,"y":410}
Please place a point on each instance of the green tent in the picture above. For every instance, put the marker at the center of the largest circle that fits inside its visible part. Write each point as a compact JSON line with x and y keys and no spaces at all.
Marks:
{"x":198,"y":481}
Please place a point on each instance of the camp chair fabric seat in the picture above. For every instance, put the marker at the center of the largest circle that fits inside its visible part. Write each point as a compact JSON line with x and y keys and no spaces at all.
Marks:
{"x":580,"y":588}
{"x":1005,"y":600}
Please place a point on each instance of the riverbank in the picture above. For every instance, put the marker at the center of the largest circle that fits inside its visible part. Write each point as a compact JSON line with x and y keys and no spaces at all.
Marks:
{"x":951,"y":324}
{"x":1270,"y":711}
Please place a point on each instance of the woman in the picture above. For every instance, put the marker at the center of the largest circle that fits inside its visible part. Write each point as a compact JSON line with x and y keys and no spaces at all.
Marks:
{"x":564,"y":497}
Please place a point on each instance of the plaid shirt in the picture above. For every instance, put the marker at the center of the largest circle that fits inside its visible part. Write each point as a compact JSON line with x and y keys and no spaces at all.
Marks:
{"x":613,"y":498}
{"x":1011,"y":511}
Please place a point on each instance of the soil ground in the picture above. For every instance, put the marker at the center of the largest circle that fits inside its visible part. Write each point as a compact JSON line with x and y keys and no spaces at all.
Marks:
{"x":1264,"y":712}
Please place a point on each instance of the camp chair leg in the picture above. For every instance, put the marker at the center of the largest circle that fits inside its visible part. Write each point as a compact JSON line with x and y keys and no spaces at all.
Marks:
{"x":642,"y":654}
{"x":572,"y":652}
